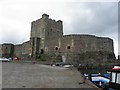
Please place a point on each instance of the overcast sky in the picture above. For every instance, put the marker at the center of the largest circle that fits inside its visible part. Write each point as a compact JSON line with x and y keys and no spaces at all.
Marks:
{"x":96,"y":18}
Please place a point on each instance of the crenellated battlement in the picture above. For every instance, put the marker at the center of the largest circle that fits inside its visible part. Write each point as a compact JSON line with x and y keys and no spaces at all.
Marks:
{"x":86,"y":35}
{"x":45,"y":16}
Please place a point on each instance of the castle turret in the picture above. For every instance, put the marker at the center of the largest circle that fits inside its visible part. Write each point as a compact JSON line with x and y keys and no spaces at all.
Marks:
{"x":45,"y":16}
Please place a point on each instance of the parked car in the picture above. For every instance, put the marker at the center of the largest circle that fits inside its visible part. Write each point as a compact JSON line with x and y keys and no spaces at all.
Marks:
{"x":66,"y":65}
{"x":4,"y":59}
{"x":16,"y":58}
{"x":10,"y":58}
{"x":57,"y":64}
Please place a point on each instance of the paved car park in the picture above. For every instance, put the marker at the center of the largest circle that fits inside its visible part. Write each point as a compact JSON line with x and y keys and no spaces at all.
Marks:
{"x":29,"y":75}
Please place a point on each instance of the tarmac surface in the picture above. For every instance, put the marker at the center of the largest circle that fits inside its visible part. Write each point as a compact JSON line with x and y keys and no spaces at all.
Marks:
{"x":29,"y":75}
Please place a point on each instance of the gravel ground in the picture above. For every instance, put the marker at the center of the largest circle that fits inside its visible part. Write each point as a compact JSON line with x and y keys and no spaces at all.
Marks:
{"x":29,"y":75}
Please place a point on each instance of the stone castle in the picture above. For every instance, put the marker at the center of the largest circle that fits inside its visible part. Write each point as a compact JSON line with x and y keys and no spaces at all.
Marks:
{"x":47,"y":37}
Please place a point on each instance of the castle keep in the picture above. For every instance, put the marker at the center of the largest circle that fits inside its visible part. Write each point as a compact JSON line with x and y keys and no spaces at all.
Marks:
{"x":47,"y":37}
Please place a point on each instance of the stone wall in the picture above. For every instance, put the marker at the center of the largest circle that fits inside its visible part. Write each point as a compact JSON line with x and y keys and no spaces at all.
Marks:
{"x":82,"y":48}
{"x":83,"y":43}
{"x":0,"y":50}
{"x":52,"y":45}
{"x":26,"y":48}
{"x":38,"y":28}
{"x":8,"y":50}
{"x":80,"y":44}
{"x":18,"y":50}
{"x":22,"y":50}
{"x":53,"y":29}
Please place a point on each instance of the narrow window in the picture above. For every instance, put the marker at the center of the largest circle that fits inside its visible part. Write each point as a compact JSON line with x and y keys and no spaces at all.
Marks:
{"x":68,"y":47}
{"x":42,"y":51}
{"x":56,"y":48}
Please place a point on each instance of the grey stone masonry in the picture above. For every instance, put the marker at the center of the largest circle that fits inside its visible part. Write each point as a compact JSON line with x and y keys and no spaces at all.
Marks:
{"x":47,"y":37}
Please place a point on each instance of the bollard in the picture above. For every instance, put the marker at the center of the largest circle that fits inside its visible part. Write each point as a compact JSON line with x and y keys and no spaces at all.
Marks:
{"x":90,"y":77}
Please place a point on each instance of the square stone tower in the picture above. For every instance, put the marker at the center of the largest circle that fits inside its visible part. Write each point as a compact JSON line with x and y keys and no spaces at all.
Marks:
{"x":7,"y":50}
{"x":43,"y":30}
